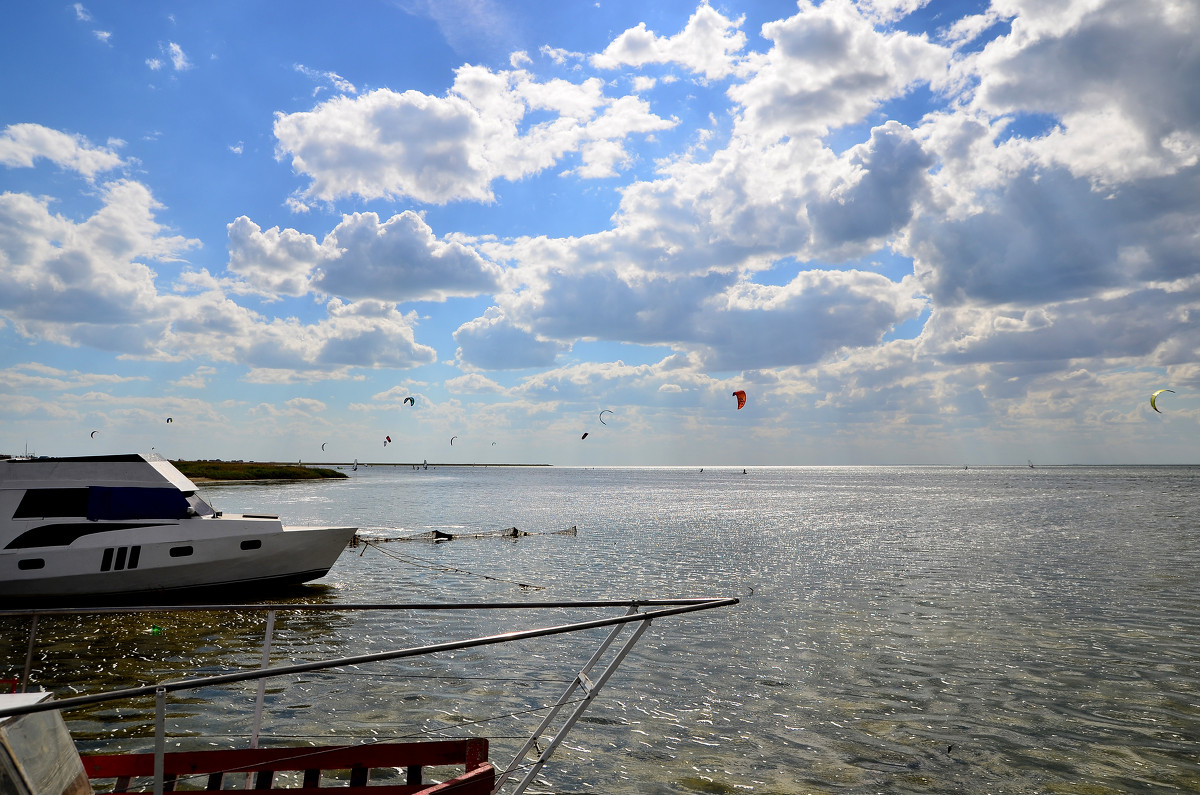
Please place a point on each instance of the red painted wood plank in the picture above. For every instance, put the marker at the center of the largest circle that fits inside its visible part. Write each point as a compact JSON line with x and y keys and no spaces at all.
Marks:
{"x":475,"y":782}
{"x":439,"y":752}
{"x":478,"y":778}
{"x":479,"y":781}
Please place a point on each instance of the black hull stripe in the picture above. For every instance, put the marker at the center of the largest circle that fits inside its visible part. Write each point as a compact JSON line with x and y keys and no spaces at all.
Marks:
{"x":65,"y":534}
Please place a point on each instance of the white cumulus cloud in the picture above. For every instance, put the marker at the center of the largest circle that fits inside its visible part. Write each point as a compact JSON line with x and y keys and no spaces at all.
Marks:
{"x":387,"y":144}
{"x":21,"y":145}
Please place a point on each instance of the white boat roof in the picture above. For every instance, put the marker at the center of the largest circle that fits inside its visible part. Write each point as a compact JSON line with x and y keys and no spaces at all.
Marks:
{"x":132,"y":469}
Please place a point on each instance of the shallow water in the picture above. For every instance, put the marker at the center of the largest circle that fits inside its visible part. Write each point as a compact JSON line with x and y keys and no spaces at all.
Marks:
{"x":994,"y":630}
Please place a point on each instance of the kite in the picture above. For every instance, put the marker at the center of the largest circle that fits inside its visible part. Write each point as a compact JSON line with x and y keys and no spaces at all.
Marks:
{"x":170,"y":420}
{"x":323,"y":446}
{"x":386,"y":439}
{"x":606,"y":411}
{"x":94,"y":434}
{"x":581,"y":438}
{"x":452,"y":438}
{"x":741,"y":396}
{"x":410,"y":401}
{"x":1153,"y":397}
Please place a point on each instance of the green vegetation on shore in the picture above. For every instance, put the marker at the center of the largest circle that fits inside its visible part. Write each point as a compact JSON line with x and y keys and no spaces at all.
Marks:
{"x":252,"y":470}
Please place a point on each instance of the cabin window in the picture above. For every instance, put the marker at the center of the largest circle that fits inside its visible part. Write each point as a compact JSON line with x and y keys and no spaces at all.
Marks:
{"x":31,"y":563}
{"x":199,"y":506}
{"x":52,"y":502}
{"x":131,"y":502}
{"x":107,"y":502}
{"x":180,"y":552}
{"x":118,"y":558}
{"x":253,"y":543}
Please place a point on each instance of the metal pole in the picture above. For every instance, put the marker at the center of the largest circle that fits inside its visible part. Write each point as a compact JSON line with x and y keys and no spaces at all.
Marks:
{"x":287,"y":670}
{"x":75,"y":611}
{"x":563,"y":699}
{"x":262,"y":683}
{"x":160,"y":737}
{"x":591,"y":689}
{"x":29,"y":654}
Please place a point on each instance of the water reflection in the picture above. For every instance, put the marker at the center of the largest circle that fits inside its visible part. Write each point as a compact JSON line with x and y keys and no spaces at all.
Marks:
{"x":901,"y":630}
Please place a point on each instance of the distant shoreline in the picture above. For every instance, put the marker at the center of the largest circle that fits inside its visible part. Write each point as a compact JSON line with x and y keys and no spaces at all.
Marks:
{"x":252,"y":470}
{"x":414,"y":464}
{"x":208,"y":471}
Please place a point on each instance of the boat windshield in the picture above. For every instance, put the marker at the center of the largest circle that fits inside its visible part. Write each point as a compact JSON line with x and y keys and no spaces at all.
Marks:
{"x":199,"y":507}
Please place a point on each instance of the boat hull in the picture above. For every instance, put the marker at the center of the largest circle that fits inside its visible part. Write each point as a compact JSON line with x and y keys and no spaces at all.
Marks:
{"x":190,"y":554}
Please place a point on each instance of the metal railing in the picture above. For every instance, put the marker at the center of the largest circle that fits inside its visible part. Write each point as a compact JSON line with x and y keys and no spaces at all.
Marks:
{"x":590,"y":679}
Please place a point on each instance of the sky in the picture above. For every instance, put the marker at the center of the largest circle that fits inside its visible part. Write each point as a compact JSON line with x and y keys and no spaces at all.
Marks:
{"x":945,"y":233}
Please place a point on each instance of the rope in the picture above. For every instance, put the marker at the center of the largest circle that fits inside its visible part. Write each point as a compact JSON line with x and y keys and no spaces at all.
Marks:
{"x":438,"y":536}
{"x":424,"y":564}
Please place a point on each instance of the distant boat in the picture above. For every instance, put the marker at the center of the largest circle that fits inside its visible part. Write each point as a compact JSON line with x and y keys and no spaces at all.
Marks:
{"x":1031,"y":466}
{"x":133,"y":524}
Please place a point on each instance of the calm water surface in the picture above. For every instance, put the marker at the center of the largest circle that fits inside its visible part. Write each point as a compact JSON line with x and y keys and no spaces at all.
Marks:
{"x":901,"y":630}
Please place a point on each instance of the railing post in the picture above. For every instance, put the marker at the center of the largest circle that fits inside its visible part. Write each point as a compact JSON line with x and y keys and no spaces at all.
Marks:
{"x":262,"y":686}
{"x":160,"y":738}
{"x":29,"y":654}
{"x":590,"y":689}
{"x":262,"y":683}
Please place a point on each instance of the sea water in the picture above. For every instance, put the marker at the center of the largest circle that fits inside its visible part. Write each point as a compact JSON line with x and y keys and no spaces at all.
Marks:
{"x":900,"y":630}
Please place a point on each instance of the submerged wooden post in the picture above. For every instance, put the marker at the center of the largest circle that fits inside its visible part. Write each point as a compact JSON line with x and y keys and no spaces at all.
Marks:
{"x":29,"y":655}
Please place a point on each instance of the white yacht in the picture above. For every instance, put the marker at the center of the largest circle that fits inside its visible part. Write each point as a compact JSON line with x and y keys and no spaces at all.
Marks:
{"x":133,"y":524}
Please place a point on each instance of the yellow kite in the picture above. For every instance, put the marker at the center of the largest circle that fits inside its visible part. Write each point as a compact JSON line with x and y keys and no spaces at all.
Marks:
{"x":1155,"y":396}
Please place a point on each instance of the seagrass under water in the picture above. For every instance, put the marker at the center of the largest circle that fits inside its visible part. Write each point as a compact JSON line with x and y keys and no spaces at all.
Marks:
{"x":992,"y":630}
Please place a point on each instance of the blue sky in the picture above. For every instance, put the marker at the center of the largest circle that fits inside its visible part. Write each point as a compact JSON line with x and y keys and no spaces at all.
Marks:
{"x":914,"y":232}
